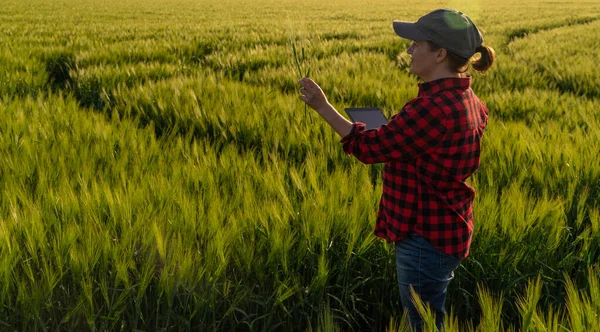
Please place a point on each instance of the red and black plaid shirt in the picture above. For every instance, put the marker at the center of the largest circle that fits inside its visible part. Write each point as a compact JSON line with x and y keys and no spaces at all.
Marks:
{"x":429,"y":149}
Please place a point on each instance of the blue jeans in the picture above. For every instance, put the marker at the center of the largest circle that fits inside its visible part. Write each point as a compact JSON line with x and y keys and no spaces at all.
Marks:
{"x":429,"y":271}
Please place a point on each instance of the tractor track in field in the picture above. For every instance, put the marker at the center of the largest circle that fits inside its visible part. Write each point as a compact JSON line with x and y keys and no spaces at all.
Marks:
{"x":521,"y":33}
{"x":564,"y":84}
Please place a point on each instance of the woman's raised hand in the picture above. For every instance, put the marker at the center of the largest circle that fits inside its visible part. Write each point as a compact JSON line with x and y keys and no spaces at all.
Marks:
{"x":312,"y":94}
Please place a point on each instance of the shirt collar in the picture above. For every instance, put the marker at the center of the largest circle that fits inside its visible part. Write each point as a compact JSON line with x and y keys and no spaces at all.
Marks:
{"x":433,"y":87}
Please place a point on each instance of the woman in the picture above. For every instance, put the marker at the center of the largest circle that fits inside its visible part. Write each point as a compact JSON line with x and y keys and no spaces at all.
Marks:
{"x":429,"y":149}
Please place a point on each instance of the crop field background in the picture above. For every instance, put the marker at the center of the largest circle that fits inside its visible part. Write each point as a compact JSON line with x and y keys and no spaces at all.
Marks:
{"x":158,"y":170}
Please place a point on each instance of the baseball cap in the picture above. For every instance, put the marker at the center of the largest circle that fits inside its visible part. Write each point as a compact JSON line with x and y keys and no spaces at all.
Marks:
{"x":445,"y":27}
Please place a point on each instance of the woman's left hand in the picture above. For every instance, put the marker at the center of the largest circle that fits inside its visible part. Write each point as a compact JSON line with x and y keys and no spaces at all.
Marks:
{"x":312,"y":94}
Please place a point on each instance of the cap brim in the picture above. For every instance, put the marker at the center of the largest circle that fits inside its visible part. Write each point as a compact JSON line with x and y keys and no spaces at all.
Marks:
{"x":408,"y":30}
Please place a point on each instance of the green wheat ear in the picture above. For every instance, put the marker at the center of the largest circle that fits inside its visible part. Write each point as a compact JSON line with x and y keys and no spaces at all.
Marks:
{"x":300,"y":71}
{"x":307,"y":75}
{"x":296,"y":58}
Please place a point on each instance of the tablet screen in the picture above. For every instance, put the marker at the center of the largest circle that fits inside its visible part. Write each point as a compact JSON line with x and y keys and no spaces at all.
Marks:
{"x":372,"y":117}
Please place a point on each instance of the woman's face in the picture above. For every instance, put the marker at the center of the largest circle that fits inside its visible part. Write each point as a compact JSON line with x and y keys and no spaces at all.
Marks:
{"x":423,"y":61}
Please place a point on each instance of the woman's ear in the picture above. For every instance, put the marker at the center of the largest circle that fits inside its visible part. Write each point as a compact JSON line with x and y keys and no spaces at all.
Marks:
{"x":442,"y":53}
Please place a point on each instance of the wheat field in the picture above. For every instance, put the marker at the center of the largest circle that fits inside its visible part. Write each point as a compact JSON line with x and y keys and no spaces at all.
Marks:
{"x":160,"y":173}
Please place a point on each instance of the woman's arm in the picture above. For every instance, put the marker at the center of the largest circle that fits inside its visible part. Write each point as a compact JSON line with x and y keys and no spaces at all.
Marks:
{"x":314,"y":97}
{"x":339,"y":123}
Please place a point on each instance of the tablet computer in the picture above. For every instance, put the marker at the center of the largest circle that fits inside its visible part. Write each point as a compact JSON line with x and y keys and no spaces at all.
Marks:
{"x":372,"y":117}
